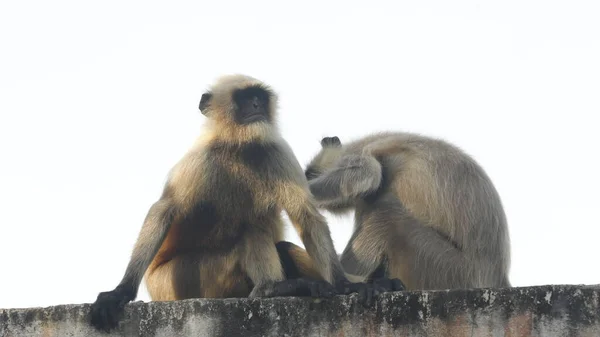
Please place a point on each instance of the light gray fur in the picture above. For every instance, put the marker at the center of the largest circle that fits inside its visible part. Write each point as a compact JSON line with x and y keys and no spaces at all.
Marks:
{"x":436,"y":217}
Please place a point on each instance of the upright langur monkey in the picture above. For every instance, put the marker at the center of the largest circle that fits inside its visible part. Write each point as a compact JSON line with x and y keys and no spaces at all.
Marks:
{"x":214,"y":230}
{"x":425,"y":212}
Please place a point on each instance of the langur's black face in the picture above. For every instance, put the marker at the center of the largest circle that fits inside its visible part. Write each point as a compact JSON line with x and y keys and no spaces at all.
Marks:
{"x":246,"y":105}
{"x":252,"y":105}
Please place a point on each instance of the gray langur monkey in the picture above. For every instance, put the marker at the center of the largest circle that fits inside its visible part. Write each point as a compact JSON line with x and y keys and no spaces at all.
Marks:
{"x":216,"y":230}
{"x":425,"y":211}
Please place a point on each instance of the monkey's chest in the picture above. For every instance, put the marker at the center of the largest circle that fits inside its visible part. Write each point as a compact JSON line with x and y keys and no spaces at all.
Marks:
{"x":233,"y":200}
{"x":219,"y":225}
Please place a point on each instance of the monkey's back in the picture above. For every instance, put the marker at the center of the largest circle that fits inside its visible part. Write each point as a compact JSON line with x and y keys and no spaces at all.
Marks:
{"x":442,"y":187}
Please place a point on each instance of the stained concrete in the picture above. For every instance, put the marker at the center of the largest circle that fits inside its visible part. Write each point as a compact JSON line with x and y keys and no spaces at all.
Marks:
{"x":559,"y":310}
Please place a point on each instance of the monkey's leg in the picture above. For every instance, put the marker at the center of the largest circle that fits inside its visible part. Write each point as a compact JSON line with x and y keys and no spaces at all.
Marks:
{"x":194,"y":275}
{"x":438,"y":263}
{"x":316,"y":236}
{"x":108,"y":307}
{"x":302,"y":276}
{"x":353,"y":177}
{"x":295,"y":262}
{"x":293,"y":196}
{"x":366,"y":253}
{"x":181,"y":278}
{"x":420,"y":255}
{"x":159,"y":282}
{"x":262,"y":263}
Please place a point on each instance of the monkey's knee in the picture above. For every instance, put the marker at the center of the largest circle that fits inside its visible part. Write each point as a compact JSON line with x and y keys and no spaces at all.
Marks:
{"x":360,"y":262}
{"x":176,"y":279}
{"x":401,"y":265}
{"x":159,"y":282}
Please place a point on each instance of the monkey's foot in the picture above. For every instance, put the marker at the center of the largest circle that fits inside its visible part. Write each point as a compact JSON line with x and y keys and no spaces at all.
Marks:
{"x":300,"y":287}
{"x":367,"y":292}
{"x":108,"y":309}
{"x":386,"y":284}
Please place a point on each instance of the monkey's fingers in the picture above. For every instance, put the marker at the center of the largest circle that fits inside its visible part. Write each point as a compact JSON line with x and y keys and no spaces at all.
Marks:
{"x":397,"y":285}
{"x":103,"y":318}
{"x":366,"y":294}
{"x":322,"y":289}
{"x":302,"y":287}
{"x":281,"y":289}
{"x":107,"y":310}
{"x":347,"y":287}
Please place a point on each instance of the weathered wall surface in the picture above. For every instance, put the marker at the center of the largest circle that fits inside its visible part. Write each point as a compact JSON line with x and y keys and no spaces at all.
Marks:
{"x":531,"y":311}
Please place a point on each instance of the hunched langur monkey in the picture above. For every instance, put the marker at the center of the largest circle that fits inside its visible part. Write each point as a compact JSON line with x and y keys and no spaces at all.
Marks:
{"x":425,"y":212}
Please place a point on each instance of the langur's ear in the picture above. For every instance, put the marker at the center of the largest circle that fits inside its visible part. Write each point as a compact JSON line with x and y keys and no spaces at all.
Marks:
{"x":331,"y":142}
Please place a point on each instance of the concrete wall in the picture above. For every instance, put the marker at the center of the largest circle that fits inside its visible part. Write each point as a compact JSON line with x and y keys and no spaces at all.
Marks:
{"x":531,"y":311}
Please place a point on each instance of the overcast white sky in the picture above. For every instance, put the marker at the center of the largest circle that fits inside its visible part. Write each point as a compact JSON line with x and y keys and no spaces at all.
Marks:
{"x":99,"y":99}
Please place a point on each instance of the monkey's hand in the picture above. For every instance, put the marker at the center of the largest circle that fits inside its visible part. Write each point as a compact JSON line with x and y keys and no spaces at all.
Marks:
{"x":301,"y":287}
{"x":353,"y":177}
{"x":109,"y":308}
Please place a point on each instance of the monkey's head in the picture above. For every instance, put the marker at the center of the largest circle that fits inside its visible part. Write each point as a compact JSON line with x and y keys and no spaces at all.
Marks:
{"x":331,"y":149}
{"x":240,"y":106}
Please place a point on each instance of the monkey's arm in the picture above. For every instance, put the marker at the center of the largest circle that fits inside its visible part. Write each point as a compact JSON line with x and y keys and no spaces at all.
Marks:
{"x":261,"y":262}
{"x":314,"y":232}
{"x":109,"y":305}
{"x":312,"y":228}
{"x":353,"y":176}
{"x":266,"y":263}
{"x":294,"y":197}
{"x":297,"y":264}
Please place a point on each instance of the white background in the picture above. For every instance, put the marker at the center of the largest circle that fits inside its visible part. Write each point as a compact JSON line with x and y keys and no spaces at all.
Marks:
{"x":99,"y":99}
